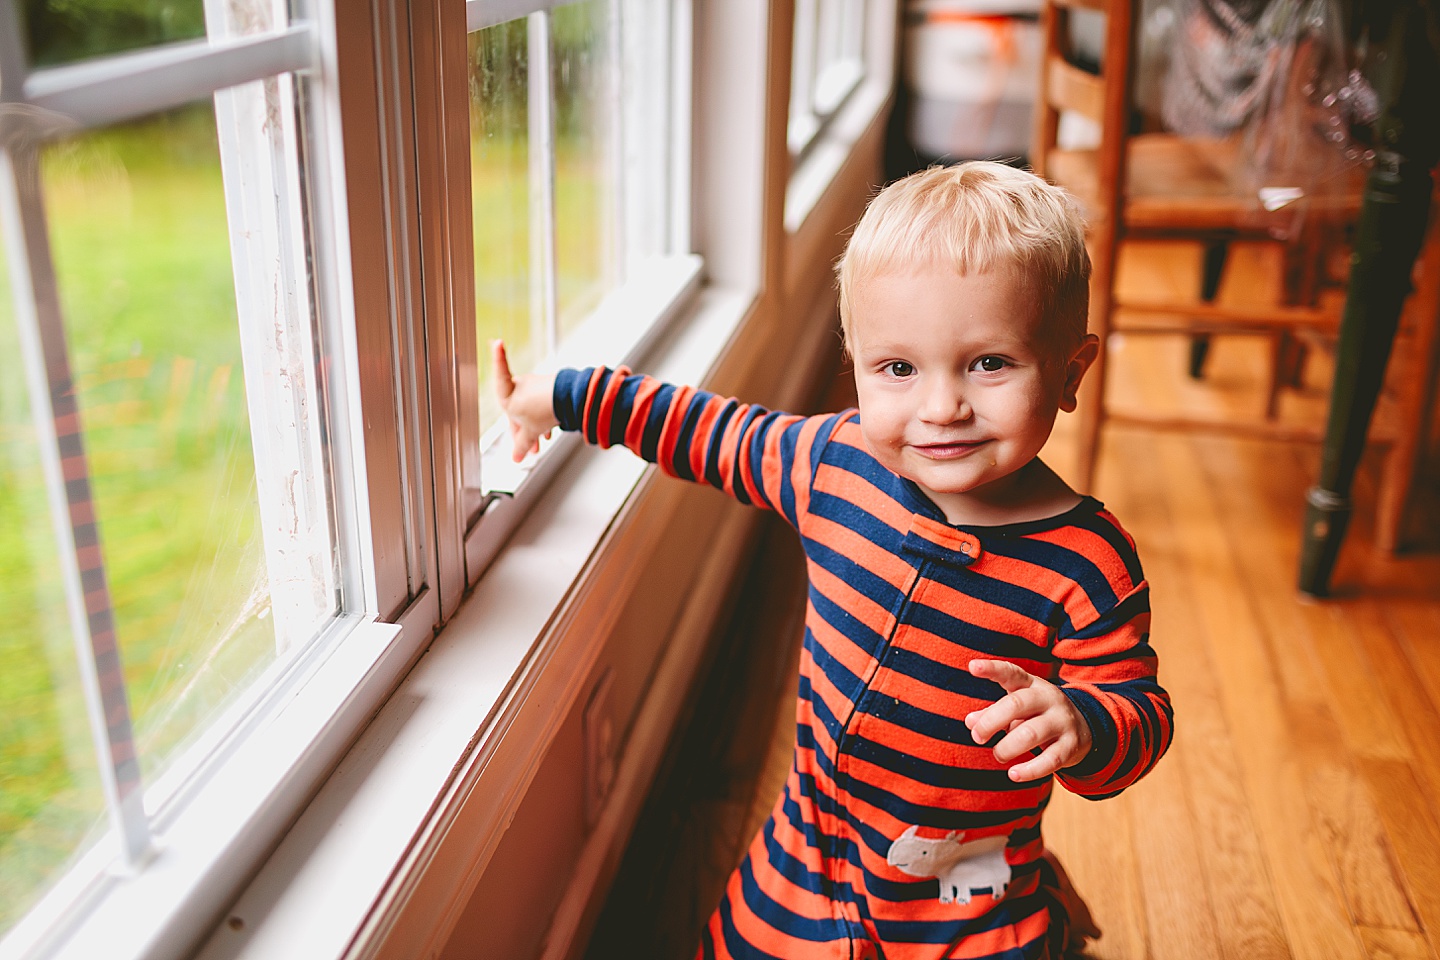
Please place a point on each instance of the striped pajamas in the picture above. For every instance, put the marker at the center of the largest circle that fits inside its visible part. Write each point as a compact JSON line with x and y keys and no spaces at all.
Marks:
{"x":897,"y":836}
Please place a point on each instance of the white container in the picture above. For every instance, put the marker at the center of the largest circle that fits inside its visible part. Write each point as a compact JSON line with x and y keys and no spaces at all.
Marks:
{"x":972,"y":68}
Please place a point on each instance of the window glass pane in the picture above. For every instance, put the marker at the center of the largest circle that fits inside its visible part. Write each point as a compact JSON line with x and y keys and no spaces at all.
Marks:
{"x":141,"y":246}
{"x":828,"y":42}
{"x":852,"y":41}
{"x":801,"y":123}
{"x":65,"y":31}
{"x":584,"y":180}
{"x":500,"y":190}
{"x":51,"y":805}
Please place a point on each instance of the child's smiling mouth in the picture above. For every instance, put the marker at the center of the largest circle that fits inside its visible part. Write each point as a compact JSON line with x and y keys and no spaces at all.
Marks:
{"x":947,"y":451}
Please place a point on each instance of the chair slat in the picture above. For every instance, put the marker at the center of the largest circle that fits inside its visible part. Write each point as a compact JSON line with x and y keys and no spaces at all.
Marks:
{"x":1218,"y":318}
{"x":1070,"y":88}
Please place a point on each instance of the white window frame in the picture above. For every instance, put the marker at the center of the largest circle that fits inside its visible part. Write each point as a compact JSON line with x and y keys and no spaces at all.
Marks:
{"x":189,"y":838}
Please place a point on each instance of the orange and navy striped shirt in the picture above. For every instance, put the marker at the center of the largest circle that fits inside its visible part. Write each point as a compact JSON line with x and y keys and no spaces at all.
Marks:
{"x":897,"y":836}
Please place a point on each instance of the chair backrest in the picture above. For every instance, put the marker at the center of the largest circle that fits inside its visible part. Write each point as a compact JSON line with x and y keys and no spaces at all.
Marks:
{"x":1102,"y":97}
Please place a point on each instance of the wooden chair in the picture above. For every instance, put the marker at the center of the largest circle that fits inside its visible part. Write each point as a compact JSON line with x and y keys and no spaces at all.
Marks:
{"x":1160,"y":185}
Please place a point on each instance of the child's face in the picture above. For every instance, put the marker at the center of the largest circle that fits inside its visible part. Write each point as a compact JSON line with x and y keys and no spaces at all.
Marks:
{"x":958,"y":385}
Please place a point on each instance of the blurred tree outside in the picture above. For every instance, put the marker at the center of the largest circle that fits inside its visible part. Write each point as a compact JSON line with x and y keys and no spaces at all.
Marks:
{"x":64,"y":31}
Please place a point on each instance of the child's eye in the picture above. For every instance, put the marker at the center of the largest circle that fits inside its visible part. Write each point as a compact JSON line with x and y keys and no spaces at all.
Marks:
{"x":990,"y":364}
{"x":899,"y":369}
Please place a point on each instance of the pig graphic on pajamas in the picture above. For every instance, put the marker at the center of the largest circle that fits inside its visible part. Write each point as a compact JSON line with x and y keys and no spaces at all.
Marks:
{"x":960,"y":867}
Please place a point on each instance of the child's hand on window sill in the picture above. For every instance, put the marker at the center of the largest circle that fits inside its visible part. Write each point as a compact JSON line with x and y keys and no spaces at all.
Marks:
{"x":528,"y":402}
{"x":1037,"y":716}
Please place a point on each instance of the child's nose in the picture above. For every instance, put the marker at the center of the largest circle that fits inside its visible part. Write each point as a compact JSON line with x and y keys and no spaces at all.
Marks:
{"x":945,"y":403}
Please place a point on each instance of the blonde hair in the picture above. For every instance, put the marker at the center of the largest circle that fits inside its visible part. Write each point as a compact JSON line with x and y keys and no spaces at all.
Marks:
{"x":976,"y":217}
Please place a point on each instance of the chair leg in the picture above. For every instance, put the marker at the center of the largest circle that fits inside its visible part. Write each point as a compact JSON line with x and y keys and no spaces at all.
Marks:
{"x":1212,"y":270}
{"x":1286,"y":357}
{"x":1388,"y":237}
{"x":1199,"y":351}
{"x":1091,"y":408}
{"x":1295,"y":370}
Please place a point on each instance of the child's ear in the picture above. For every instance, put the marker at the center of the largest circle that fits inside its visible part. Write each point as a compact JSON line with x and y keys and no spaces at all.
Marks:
{"x":1079,"y":362}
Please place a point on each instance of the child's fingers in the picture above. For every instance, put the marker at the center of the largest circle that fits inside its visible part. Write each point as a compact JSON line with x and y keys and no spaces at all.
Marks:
{"x":1033,"y":734}
{"x":1009,"y":675}
{"x":1002,"y":714}
{"x":1050,"y":760}
{"x":517,"y":442}
{"x":500,"y":364}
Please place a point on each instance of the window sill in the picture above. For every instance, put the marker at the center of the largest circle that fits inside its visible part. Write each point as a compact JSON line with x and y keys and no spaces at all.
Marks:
{"x":464,"y":730}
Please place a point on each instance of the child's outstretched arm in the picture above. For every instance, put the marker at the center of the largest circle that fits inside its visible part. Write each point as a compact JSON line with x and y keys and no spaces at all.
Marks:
{"x":755,"y":455}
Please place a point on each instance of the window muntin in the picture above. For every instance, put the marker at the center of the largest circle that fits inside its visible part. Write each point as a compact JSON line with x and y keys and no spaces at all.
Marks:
{"x":51,"y":801}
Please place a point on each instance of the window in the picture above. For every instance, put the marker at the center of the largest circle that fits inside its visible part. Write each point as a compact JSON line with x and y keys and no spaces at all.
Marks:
{"x":179,"y":545}
{"x":828,"y":64}
{"x":843,"y":59}
{"x":578,"y":131}
{"x":212,"y":574}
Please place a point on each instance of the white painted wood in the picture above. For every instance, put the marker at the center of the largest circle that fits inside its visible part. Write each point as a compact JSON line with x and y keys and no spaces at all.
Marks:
{"x":218,"y":819}
{"x":544,"y":292}
{"x":804,"y":65}
{"x":817,"y":169}
{"x":623,"y":329}
{"x":101,"y":92}
{"x":729,"y":140}
{"x":343,"y":326}
{"x":230,"y":815}
{"x":480,"y":14}
{"x":680,"y":170}
{"x":399,"y":230}
{"x":260,"y":162}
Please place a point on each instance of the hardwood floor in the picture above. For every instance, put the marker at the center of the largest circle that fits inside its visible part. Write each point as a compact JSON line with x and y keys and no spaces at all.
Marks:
{"x":1295,"y":813}
{"x":1298,"y":811}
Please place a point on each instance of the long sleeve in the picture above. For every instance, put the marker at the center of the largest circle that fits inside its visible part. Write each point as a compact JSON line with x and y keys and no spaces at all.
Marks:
{"x":755,"y":455}
{"x":1108,"y":670}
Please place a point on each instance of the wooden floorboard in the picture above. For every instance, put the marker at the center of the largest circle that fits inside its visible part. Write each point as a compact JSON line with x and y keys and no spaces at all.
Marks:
{"x":1297,"y":813}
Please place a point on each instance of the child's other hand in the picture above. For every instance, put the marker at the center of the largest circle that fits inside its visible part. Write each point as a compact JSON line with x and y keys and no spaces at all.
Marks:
{"x":1037,"y":715}
{"x":528,"y":402}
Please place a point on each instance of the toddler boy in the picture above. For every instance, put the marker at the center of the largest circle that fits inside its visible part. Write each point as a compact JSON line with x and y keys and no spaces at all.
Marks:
{"x":976,"y":630}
